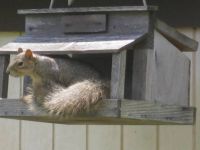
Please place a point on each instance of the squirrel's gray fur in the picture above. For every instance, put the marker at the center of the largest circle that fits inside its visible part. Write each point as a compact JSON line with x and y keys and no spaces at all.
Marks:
{"x":59,"y":86}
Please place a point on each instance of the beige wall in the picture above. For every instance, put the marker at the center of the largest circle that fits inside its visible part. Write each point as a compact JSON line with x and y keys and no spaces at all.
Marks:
{"x":25,"y":135}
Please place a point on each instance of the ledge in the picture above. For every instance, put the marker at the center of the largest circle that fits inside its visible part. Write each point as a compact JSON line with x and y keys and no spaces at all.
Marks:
{"x":87,"y":9}
{"x":111,"y":112}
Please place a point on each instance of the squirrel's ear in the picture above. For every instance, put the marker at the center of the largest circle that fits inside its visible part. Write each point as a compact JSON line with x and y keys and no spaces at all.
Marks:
{"x":20,"y":50}
{"x":29,"y":53}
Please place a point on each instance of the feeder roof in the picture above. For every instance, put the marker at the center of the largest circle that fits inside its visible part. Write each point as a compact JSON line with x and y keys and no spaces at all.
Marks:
{"x":88,"y":9}
{"x":92,"y":43}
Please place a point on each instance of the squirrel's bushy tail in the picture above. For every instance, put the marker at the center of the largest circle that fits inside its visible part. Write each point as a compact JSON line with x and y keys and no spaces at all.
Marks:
{"x":80,"y":97}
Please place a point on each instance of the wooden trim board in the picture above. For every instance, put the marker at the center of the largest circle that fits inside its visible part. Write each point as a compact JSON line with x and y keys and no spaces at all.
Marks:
{"x":180,"y":40}
{"x":87,"y":9}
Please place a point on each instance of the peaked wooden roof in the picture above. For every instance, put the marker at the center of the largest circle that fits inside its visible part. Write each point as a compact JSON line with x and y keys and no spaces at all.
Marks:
{"x":74,"y":43}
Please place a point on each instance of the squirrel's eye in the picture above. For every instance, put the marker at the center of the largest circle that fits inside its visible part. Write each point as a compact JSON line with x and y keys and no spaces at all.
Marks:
{"x":20,"y":64}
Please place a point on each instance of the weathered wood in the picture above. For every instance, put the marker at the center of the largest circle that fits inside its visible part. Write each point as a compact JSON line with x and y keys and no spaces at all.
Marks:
{"x":130,"y":22}
{"x":118,"y":75}
{"x":131,"y":112}
{"x":87,"y":9}
{"x":85,"y":23}
{"x":64,"y":24}
{"x":70,"y":2}
{"x":4,"y":60}
{"x":180,"y":40}
{"x":172,"y":74}
{"x":154,"y":111}
{"x":74,"y":44}
{"x":143,"y":70}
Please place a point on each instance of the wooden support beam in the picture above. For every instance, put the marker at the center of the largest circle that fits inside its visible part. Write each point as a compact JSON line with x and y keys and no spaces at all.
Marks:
{"x":4,"y":60}
{"x":118,"y":75}
{"x":183,"y":42}
{"x":131,"y":112}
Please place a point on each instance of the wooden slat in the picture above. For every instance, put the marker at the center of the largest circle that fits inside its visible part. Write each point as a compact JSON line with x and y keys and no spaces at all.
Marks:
{"x":132,"y":112}
{"x":118,"y":75}
{"x":4,"y":60}
{"x":70,"y":137}
{"x":140,"y":137}
{"x":63,"y":24}
{"x":178,"y":138}
{"x":74,"y":44}
{"x":35,"y":135}
{"x":171,"y":82}
{"x":153,"y":111}
{"x":180,"y":40}
{"x":87,"y":9}
{"x":104,"y":137}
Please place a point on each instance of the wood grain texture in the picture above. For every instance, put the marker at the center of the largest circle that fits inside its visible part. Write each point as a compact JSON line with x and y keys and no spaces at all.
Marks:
{"x":87,"y":9}
{"x":130,"y":22}
{"x":65,"y":24}
{"x":118,"y":75}
{"x":172,"y":73}
{"x":132,"y":112}
{"x":74,"y":44}
{"x":157,"y":112}
{"x":190,"y":33}
{"x":141,"y":70}
{"x":183,"y":42}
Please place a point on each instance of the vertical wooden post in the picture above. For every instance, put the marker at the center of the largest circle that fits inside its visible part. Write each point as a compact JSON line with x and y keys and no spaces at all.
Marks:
{"x":118,"y":75}
{"x":4,"y":60}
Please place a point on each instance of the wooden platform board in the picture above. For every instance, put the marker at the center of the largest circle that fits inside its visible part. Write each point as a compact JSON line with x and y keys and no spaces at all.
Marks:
{"x":111,"y":112}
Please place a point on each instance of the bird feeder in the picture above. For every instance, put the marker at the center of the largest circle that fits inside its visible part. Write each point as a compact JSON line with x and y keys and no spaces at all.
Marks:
{"x":141,"y":56}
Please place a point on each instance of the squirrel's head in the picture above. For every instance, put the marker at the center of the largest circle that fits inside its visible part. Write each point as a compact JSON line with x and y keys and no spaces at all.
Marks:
{"x":22,"y":64}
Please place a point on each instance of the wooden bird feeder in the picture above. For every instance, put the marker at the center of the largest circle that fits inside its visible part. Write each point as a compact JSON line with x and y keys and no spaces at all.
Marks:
{"x":142,"y":57}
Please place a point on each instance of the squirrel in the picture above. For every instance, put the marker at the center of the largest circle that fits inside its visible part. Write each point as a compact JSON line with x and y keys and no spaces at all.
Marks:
{"x":60,"y":86}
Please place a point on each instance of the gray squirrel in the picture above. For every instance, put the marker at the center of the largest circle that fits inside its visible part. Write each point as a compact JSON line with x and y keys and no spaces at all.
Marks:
{"x":60,"y":86}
